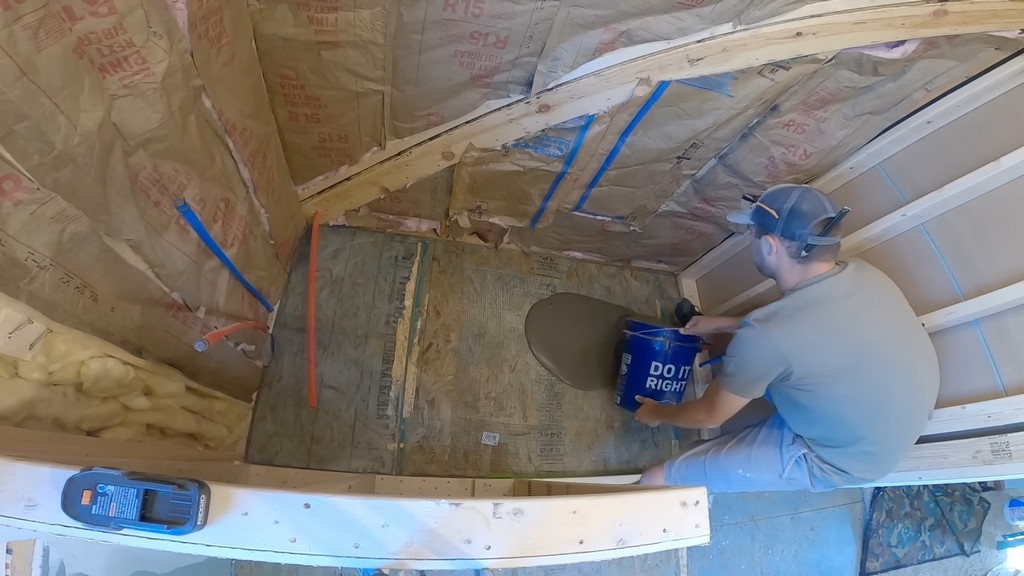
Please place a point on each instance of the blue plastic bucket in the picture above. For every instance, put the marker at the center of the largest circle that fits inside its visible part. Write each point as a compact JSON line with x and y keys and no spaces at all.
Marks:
{"x":656,"y":363}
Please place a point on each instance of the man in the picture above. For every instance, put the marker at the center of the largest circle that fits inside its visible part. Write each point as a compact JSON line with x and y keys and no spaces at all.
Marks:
{"x":852,"y":374}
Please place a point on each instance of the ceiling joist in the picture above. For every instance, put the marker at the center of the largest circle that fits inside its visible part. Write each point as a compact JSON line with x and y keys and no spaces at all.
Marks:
{"x":822,"y":27}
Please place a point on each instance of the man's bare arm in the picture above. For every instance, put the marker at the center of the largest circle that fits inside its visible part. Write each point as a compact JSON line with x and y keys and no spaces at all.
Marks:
{"x":709,"y":411}
{"x":709,"y":325}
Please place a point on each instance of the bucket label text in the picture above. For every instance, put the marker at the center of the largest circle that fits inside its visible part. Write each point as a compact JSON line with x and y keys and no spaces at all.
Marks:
{"x":667,"y":377}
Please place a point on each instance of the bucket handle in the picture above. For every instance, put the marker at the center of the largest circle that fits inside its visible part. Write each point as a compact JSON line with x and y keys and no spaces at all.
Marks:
{"x":648,"y":331}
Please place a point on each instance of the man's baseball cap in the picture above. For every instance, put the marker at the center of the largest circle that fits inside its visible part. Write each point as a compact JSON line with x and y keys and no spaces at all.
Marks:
{"x":793,"y":211}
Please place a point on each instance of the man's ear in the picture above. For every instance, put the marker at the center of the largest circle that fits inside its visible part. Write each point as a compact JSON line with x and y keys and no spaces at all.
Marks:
{"x":773,"y":245}
{"x":767,"y":244}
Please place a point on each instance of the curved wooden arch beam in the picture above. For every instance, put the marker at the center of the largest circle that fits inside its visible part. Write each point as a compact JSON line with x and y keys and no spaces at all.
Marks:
{"x":410,"y":532}
{"x":825,"y":27}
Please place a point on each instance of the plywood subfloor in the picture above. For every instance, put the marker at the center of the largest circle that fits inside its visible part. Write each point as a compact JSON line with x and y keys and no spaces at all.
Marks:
{"x":424,"y":368}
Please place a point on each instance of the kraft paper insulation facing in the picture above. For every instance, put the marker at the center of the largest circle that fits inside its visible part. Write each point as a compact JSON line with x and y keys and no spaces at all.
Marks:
{"x":323,"y":64}
{"x":451,"y":56}
{"x":119,"y":108}
{"x":420,"y":208}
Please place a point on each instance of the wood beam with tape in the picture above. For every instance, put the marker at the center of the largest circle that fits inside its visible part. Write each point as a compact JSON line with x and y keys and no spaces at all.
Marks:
{"x":821,"y":27}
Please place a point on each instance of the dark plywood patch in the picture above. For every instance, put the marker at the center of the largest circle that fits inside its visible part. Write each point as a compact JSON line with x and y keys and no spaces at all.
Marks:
{"x":363,"y":281}
{"x":481,"y":405}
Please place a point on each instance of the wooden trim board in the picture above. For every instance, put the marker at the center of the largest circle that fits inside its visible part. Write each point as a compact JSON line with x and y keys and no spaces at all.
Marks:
{"x":729,"y":247}
{"x":702,"y":377}
{"x":936,"y":115}
{"x":978,"y":307}
{"x":369,"y":531}
{"x":996,"y":457}
{"x":830,"y":27}
{"x":977,"y":415}
{"x":957,"y":193}
{"x":968,"y":187}
{"x":736,"y":301}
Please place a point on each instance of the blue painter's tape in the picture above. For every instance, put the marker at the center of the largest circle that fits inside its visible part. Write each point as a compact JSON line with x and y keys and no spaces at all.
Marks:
{"x":577,"y":122}
{"x":719,"y":83}
{"x":545,"y":145}
{"x":569,"y":159}
{"x":614,"y":153}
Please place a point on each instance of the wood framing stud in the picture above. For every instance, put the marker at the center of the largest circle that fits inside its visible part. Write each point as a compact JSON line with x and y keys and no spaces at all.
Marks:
{"x":821,"y":27}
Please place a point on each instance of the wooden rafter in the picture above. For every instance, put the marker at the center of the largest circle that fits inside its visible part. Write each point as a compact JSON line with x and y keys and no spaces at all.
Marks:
{"x":822,"y":27}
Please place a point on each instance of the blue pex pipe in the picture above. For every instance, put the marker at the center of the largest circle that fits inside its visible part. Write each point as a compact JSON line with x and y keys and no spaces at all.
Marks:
{"x":197,"y":226}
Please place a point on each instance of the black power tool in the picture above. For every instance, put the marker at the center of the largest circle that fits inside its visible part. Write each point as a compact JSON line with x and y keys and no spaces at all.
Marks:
{"x":685,"y":311}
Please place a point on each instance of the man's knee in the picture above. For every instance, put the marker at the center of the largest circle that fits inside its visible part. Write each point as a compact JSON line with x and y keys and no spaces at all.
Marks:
{"x":654,"y":476}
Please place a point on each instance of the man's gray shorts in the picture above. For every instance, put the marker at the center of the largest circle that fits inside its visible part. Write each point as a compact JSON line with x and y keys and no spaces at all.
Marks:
{"x":765,"y":457}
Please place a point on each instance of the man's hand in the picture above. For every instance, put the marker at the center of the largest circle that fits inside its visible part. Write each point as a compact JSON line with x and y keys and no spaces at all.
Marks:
{"x":708,"y":325}
{"x":709,"y":411}
{"x":650,"y":412}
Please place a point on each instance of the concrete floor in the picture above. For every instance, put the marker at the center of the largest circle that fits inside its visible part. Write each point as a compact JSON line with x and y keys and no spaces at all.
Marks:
{"x":805,"y":534}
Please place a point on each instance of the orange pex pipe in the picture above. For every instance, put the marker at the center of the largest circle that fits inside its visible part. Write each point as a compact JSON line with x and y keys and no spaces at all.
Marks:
{"x":311,"y":388}
{"x":215,"y":336}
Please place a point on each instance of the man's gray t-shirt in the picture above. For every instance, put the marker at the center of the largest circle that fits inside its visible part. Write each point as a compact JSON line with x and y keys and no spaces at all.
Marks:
{"x":847,"y":365}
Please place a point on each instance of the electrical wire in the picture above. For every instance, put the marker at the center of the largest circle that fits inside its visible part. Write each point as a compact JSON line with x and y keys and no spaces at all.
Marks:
{"x":204,"y":235}
{"x":314,"y":242}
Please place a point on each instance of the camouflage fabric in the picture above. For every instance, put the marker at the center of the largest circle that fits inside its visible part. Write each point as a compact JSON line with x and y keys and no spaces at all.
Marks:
{"x":911,"y":525}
